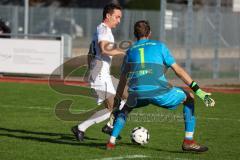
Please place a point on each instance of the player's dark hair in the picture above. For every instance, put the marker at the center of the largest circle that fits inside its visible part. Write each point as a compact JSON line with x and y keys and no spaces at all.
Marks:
{"x":141,"y":29}
{"x":109,"y":8}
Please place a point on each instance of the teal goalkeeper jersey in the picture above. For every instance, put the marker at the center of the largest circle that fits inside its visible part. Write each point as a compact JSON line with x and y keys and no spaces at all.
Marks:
{"x":145,"y":63}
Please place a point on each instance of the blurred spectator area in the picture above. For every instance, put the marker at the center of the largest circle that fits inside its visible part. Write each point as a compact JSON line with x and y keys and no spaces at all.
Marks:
{"x":135,"y":4}
{"x":213,"y":31}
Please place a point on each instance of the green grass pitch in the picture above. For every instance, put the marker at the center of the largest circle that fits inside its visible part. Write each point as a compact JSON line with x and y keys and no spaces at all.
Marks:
{"x":29,"y":129}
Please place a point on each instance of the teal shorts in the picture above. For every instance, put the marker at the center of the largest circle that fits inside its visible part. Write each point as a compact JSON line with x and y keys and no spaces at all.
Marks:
{"x":170,"y":100}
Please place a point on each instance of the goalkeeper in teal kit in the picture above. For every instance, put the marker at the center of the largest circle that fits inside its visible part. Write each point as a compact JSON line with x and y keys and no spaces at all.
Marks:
{"x":143,"y":71}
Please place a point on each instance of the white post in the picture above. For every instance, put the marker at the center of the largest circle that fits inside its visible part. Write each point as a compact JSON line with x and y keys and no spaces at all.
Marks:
{"x":162,"y":34}
{"x":126,"y":23}
{"x":90,"y":16}
{"x":216,"y":62}
{"x":26,"y":16}
{"x":15,"y":20}
{"x":239,"y":61}
{"x":62,"y":58}
{"x":188,"y":36}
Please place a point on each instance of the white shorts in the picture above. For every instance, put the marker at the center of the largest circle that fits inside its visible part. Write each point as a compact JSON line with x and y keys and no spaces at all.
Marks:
{"x":104,"y":87}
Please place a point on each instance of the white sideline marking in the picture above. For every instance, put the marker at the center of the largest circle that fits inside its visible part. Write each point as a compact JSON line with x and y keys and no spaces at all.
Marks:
{"x":124,"y":157}
{"x":84,"y":110}
{"x":142,"y":156}
{"x":36,"y":107}
{"x":173,"y":158}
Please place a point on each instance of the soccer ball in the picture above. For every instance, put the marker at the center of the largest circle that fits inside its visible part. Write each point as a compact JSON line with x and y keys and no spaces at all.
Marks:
{"x":140,"y":135}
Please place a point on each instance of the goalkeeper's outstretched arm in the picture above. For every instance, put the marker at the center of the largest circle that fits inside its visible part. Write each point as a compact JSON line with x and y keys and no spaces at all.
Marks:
{"x":184,"y":76}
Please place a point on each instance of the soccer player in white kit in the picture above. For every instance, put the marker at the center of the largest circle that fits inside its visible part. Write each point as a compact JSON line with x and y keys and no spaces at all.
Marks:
{"x":100,"y":78}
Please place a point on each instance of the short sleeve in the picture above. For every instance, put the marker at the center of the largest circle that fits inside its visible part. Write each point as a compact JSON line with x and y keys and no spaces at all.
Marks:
{"x":168,"y":59}
{"x":102,"y":34}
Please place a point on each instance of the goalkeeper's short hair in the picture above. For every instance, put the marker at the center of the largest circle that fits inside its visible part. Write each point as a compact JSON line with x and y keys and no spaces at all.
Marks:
{"x":141,"y":29}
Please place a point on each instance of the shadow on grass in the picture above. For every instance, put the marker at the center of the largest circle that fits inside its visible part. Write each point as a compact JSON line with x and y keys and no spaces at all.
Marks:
{"x":68,"y":139}
{"x":158,"y":149}
{"x":57,"y":138}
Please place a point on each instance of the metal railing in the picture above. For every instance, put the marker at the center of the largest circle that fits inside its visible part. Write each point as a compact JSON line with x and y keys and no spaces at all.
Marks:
{"x":206,"y":40}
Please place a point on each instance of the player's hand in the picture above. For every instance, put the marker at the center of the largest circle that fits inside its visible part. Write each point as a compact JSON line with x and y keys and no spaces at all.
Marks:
{"x":209,"y":102}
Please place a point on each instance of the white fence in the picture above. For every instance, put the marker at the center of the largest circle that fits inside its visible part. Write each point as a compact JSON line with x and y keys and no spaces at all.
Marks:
{"x":187,"y":29}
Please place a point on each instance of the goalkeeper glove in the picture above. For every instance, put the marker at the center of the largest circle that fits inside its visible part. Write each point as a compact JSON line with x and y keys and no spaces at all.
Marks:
{"x":209,"y":102}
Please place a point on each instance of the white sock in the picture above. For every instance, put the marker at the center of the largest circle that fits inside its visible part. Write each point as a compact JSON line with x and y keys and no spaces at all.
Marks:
{"x":189,"y":135}
{"x":97,"y":117}
{"x":109,"y":124}
{"x":112,"y":140}
{"x":122,"y":104}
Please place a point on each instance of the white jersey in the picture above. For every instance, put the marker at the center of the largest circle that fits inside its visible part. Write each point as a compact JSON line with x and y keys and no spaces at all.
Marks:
{"x":103,"y":33}
{"x":100,"y":78}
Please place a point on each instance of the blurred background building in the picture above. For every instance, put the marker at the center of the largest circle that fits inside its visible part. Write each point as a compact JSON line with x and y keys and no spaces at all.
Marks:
{"x":203,"y":35}
{"x":100,"y":3}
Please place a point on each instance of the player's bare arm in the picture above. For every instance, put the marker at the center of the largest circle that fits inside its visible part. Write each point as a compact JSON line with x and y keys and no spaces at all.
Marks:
{"x":107,"y":48}
{"x":184,"y":76}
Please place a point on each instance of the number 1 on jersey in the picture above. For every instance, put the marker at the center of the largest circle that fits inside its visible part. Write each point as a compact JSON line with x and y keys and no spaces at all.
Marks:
{"x":141,"y":50}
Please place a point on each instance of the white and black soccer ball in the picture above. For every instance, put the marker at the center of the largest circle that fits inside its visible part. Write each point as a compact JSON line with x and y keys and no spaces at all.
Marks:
{"x":140,"y":135}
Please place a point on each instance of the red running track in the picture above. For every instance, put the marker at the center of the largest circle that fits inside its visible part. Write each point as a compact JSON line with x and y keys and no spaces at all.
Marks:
{"x":82,"y":83}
